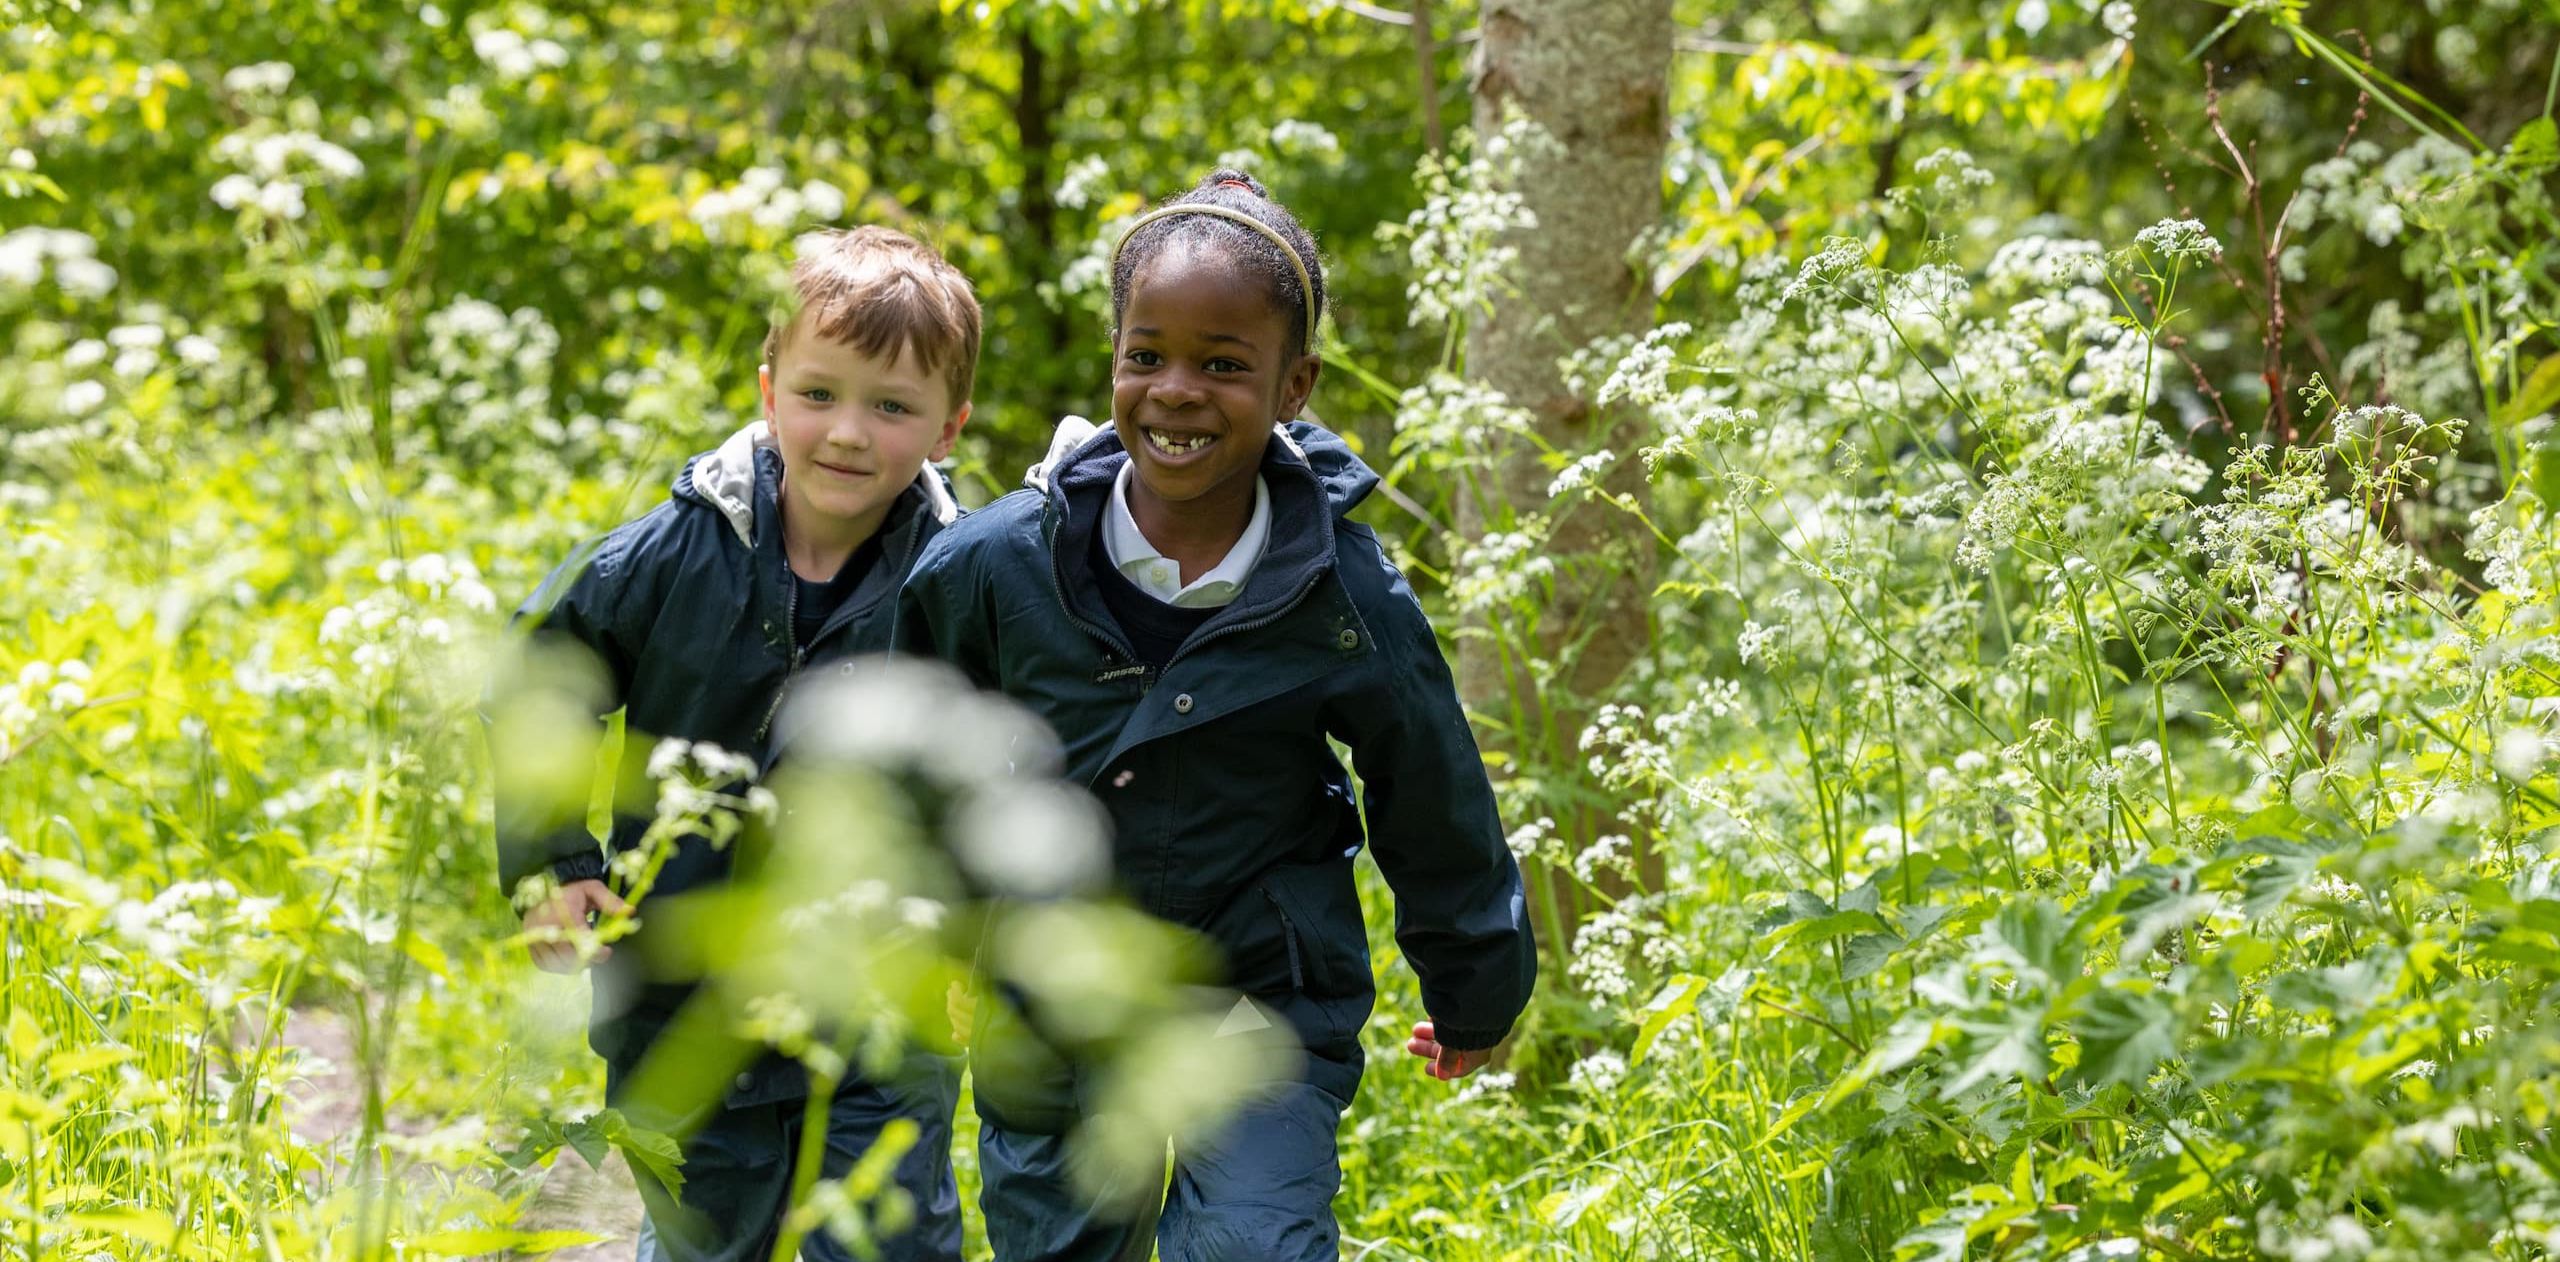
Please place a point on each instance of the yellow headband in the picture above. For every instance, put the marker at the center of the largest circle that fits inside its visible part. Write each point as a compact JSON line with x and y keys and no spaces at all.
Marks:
{"x":1306,"y":288}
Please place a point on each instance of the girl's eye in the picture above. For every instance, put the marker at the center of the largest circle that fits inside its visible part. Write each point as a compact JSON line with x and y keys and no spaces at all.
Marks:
{"x":1145,"y":358}
{"x":1223,"y":364}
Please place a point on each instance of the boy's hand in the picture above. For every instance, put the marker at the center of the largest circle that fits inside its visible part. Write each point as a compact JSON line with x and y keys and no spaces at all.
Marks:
{"x":568,"y":911}
{"x":1447,"y":1063}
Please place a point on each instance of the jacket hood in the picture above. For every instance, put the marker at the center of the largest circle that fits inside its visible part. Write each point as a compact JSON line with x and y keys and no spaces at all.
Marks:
{"x":724,"y":479}
{"x":1344,"y":478}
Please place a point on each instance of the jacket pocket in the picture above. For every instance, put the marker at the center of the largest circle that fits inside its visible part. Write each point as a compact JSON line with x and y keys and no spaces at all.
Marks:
{"x":1318,"y":907}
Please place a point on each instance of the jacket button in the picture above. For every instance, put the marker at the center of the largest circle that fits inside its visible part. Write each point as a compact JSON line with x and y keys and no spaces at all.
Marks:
{"x":1350,"y":638}
{"x":1182,"y":704}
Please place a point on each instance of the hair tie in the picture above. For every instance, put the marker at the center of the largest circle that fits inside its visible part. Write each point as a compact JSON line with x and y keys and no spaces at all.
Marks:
{"x":1235,"y":184}
{"x":1306,"y":286}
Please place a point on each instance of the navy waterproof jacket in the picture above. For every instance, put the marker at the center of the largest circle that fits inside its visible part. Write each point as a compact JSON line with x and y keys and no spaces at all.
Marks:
{"x":689,"y":609}
{"x":1231,"y":814}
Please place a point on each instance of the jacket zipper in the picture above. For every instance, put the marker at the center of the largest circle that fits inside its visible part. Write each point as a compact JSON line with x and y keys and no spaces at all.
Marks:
{"x":791,"y":620}
{"x":790,"y":636}
{"x":1058,"y":588}
{"x":1288,"y":934}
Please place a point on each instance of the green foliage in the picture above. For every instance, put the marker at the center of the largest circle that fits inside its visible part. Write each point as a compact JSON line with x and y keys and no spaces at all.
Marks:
{"x":2089,"y":776}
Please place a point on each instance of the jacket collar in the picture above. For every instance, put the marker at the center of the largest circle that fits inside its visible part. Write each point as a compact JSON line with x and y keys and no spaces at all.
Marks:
{"x":1314,"y":480}
{"x":734,"y":477}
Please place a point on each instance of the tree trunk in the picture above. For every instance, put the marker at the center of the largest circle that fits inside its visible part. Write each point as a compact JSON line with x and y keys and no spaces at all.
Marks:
{"x":1594,"y":75}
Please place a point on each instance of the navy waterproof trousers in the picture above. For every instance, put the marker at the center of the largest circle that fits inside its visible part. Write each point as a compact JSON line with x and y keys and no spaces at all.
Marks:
{"x":738,"y":1166}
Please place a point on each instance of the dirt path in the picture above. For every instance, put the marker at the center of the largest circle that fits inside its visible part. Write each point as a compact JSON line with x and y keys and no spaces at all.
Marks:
{"x":328,"y":1104}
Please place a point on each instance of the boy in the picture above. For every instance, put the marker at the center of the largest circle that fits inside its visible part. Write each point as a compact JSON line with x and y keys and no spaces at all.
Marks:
{"x":777,"y":551}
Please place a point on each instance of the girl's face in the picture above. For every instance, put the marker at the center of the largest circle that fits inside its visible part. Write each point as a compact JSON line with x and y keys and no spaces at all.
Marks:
{"x":1202,"y":373}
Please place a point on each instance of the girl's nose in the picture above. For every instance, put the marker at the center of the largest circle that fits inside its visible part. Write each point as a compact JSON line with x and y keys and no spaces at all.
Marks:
{"x":1175,"y":388}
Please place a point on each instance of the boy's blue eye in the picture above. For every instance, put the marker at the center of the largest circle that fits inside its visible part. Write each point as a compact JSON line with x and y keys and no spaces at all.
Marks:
{"x":818,"y":395}
{"x":893,"y":407}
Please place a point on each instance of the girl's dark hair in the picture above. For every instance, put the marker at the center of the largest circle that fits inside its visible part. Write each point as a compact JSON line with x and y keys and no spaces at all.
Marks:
{"x":1236,"y":191}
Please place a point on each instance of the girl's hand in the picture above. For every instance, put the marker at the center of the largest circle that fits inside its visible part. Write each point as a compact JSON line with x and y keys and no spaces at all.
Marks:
{"x":1447,"y":1063}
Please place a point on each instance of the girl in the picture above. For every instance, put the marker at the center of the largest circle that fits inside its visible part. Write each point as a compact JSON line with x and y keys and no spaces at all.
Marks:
{"x":1189,"y":607}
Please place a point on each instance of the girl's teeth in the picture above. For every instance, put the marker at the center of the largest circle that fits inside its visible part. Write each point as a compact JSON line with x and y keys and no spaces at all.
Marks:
{"x":1176,"y":446}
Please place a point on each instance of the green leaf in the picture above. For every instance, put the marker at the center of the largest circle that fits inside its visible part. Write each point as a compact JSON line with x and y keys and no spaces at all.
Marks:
{"x":2265,"y":888}
{"x":652,"y":1151}
{"x":1868,"y":953}
{"x":589,"y":1141}
{"x":2040,"y":936}
{"x":2546,"y":471}
{"x":1563,"y":1207}
{"x":2011,"y":1047}
{"x":2536,"y":147}
{"x":148,"y":1226}
{"x":2123,"y":1036}
{"x":476,"y":1242}
{"x":1674,"y":1001}
{"x":2540,"y":391}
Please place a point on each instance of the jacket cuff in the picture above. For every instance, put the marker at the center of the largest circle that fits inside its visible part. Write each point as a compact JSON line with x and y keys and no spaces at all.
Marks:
{"x":585,"y":866}
{"x":1480,"y":1038}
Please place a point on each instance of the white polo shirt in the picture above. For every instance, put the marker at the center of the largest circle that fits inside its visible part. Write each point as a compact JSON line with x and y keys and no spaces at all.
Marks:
{"x":1160,"y":576}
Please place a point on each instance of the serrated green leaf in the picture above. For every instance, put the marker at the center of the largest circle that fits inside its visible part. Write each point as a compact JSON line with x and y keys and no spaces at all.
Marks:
{"x":2536,"y":146}
{"x":1867,"y":954}
{"x":2123,"y":1037}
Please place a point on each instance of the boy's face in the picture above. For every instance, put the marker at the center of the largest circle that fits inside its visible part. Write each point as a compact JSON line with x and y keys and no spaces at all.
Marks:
{"x":1201,"y":375}
{"x":854,"y":431}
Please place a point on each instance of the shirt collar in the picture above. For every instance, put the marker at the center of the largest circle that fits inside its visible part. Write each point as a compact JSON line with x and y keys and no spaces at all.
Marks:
{"x":1160,"y":576}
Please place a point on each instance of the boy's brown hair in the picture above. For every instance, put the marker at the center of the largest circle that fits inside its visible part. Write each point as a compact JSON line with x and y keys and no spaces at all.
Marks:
{"x":881,"y":291}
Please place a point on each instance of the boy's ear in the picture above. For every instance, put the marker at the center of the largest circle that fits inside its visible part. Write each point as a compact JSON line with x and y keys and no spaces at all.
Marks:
{"x":764,"y":388}
{"x":1301,"y":385}
{"x":950,"y":434}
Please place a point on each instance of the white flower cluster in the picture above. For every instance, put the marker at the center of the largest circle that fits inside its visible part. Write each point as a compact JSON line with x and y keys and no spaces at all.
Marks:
{"x":1643,"y":375}
{"x":1083,"y":180}
{"x":512,"y":56}
{"x":763,"y":198}
{"x":1603,"y":948}
{"x":1532,"y":839}
{"x":2372,"y":193}
{"x":277,"y":168}
{"x":1952,"y":175}
{"x":1830,"y":269}
{"x":1456,"y":240}
{"x":2037,"y":261}
{"x":1598,"y":1074}
{"x":265,"y":78}
{"x":41,"y":688}
{"x":2179,"y":240}
{"x":1585,"y":471}
{"x":28,"y":255}
{"x":1305,"y":139}
{"x":138,"y":351}
{"x":1502,"y":568}
{"x":406,"y":615}
{"x":1451,"y":413}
